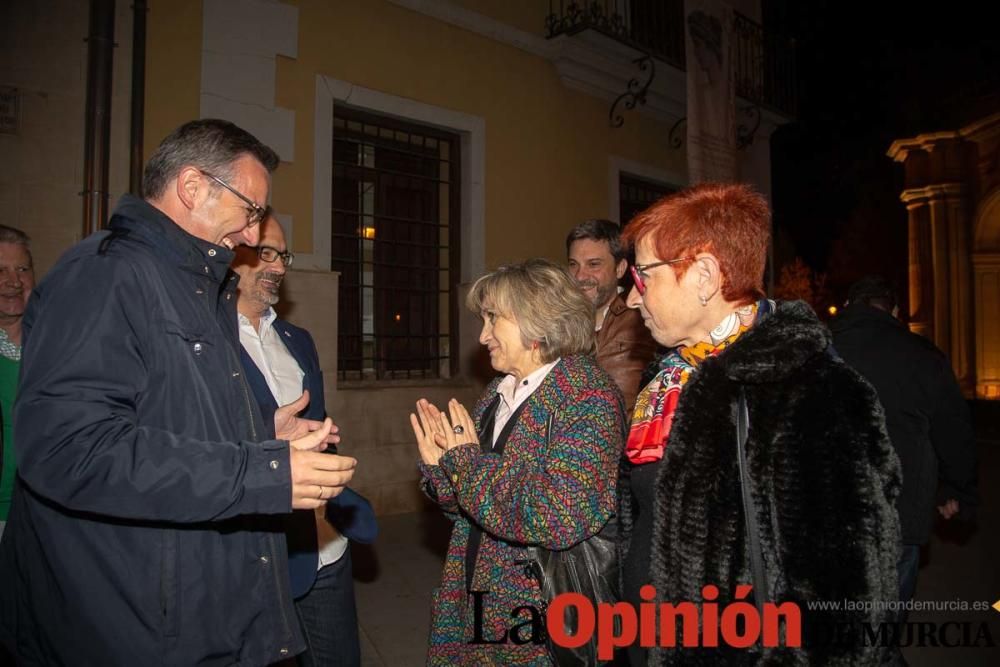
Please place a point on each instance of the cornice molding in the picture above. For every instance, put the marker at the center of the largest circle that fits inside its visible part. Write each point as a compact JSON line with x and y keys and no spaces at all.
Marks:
{"x":916,"y":196}
{"x":983,"y":129}
{"x":901,"y":148}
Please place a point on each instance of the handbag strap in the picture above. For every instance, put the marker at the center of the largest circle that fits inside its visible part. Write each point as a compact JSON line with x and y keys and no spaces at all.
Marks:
{"x":749,"y":513}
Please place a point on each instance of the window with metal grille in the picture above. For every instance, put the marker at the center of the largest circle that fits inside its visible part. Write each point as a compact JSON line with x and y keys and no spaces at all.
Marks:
{"x":396,"y":205}
{"x":636,"y":194}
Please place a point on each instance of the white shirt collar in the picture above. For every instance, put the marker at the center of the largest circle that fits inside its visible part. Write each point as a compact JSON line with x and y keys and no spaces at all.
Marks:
{"x":266,"y":319}
{"x":514,"y":393}
{"x":511,"y":399}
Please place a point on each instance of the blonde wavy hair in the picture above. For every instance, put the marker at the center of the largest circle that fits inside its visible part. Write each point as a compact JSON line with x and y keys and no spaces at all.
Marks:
{"x":544,"y":301}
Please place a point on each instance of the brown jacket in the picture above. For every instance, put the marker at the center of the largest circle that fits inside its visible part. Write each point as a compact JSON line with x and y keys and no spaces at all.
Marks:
{"x":624,"y":348}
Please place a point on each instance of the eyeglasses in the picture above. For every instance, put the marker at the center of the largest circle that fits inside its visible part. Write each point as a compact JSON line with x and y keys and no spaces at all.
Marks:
{"x":639,"y":269}
{"x":255,"y":212}
{"x":269,"y":254}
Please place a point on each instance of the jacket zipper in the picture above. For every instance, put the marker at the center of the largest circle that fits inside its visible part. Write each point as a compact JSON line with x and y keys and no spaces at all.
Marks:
{"x":278,"y":582}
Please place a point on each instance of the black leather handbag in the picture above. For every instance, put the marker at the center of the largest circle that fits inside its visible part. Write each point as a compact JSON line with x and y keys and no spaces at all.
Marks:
{"x":589,"y":568}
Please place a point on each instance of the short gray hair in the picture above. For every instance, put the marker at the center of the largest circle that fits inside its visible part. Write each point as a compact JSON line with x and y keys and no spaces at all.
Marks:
{"x":14,"y":235}
{"x":546,"y":303}
{"x":209,"y":144}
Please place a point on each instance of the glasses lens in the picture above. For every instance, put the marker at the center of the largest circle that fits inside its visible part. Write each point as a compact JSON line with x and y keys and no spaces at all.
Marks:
{"x":638,"y":281}
{"x":267,"y":254}
{"x":287,"y":258}
{"x":254,"y":216}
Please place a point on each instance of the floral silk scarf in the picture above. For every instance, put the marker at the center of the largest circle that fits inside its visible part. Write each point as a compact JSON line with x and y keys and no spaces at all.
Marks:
{"x":655,"y":406}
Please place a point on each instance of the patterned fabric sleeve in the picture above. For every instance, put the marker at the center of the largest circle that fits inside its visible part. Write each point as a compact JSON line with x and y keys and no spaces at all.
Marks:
{"x":562,"y":501}
{"x":435,"y":485}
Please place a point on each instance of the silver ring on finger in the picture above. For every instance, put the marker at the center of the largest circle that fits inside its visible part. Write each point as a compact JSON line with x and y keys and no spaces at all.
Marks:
{"x":458,"y":429}
{"x":320,"y":496}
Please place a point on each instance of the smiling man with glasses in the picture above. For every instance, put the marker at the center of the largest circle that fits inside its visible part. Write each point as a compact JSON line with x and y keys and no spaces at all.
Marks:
{"x":255,"y":212}
{"x":145,"y":522}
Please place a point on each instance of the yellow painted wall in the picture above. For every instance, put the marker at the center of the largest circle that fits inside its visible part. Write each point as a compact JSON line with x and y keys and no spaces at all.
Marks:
{"x":526,"y":15}
{"x":547,"y":147}
{"x":173,"y":68}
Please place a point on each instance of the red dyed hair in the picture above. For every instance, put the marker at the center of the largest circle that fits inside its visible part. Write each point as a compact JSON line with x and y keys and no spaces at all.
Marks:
{"x":729,"y":220}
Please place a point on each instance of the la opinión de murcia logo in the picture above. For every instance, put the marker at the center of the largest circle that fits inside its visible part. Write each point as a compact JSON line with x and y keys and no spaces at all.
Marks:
{"x":572,"y":619}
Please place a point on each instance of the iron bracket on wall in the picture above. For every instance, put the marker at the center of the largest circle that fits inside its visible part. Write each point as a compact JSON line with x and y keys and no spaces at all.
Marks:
{"x":676,"y":137}
{"x":745,"y":131}
{"x":635,"y":92}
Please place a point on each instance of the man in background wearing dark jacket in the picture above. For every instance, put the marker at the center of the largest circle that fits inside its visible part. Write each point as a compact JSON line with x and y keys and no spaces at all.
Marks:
{"x":925,"y":413}
{"x":146,"y":523}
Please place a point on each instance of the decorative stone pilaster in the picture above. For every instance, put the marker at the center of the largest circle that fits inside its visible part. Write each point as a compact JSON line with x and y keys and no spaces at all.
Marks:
{"x":920,"y":263}
{"x":986,"y":267}
{"x":936,"y":198}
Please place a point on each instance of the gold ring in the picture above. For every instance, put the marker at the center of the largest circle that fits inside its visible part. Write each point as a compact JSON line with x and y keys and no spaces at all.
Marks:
{"x":320,"y":496}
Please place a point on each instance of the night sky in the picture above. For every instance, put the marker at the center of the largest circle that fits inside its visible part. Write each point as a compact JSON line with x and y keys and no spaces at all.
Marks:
{"x":869,"y":73}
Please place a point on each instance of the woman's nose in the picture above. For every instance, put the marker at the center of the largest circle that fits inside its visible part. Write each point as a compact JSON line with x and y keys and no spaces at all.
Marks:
{"x":634,"y":298}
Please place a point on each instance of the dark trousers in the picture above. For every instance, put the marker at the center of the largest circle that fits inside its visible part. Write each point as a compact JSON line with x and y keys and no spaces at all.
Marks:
{"x":329,"y":618}
{"x":906,"y":569}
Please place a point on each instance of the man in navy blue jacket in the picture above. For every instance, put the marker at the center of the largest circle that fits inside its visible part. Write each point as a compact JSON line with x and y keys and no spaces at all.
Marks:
{"x":282,"y":367}
{"x":146,"y":524}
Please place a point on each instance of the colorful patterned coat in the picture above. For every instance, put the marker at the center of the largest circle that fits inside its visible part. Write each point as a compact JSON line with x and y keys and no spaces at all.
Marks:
{"x":551,"y":496}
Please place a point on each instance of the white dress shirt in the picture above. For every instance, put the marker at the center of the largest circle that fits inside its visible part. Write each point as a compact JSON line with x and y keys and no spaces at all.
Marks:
{"x":284,"y":379}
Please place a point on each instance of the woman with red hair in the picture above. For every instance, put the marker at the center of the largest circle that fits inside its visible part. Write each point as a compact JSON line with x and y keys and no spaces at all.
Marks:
{"x":819,"y":476}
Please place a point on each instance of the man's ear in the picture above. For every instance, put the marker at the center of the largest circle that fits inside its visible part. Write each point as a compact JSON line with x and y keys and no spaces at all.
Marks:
{"x":189,"y":186}
{"x":621,"y":268}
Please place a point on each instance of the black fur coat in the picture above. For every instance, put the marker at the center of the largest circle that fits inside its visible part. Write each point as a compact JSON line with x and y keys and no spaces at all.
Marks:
{"x":824,"y":480}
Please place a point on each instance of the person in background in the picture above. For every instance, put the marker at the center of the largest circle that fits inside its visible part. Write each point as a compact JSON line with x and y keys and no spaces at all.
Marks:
{"x":926,"y":415}
{"x":597,"y":261}
{"x":821,"y":475}
{"x":17,"y":279}
{"x":282,"y":367}
{"x":535,"y":464}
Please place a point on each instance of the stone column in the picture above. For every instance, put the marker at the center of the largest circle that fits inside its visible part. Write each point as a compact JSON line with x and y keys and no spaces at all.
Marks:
{"x":940,"y":255}
{"x":987,"y":289}
{"x":920,"y":265}
{"x":960,"y":287}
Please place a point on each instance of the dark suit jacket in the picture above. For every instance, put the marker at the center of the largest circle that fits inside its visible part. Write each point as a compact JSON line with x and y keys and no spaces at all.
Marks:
{"x":349,"y":512}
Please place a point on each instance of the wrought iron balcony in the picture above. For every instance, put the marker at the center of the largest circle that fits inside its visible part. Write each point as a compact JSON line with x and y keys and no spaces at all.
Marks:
{"x":764,"y":62}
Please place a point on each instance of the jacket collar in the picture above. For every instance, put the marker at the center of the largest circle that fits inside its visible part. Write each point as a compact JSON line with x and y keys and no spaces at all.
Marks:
{"x":776,"y":346}
{"x":137,"y":217}
{"x":863,"y":315}
{"x":617,"y":306}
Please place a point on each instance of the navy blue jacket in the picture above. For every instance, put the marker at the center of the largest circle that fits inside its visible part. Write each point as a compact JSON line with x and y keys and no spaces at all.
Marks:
{"x":146,"y":525}
{"x":349,"y":512}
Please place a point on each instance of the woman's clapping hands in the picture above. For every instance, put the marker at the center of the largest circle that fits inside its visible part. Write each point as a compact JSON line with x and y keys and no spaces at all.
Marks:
{"x":437,"y":432}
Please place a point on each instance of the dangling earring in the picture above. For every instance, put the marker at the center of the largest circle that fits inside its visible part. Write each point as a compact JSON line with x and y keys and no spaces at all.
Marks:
{"x":704,"y":300}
